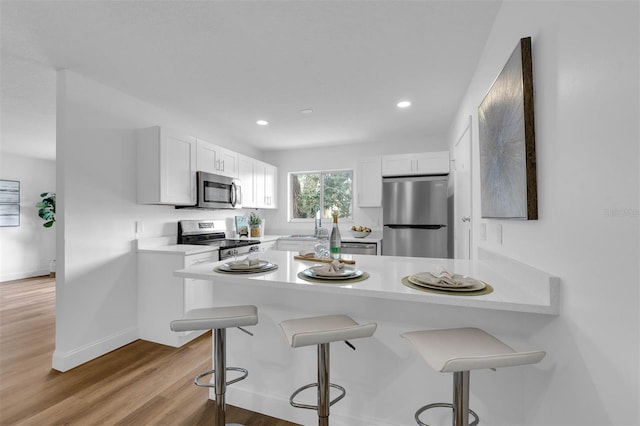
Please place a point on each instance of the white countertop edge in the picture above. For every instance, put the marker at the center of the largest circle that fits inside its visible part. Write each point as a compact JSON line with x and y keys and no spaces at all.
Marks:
{"x":531,"y":291}
{"x":415,"y":296}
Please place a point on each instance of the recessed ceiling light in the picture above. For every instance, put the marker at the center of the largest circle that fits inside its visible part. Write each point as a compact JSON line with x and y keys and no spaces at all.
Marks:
{"x":404,"y":104}
{"x":306,"y":111}
{"x":262,"y":122}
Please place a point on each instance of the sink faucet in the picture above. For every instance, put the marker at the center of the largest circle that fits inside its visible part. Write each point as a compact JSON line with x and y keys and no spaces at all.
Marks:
{"x":318,"y":223}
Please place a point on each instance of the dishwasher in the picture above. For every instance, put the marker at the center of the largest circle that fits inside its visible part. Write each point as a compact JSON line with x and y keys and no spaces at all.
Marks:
{"x":359,"y":248}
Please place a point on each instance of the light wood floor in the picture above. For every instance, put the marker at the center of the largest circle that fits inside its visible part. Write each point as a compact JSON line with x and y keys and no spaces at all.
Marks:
{"x":140,"y":384}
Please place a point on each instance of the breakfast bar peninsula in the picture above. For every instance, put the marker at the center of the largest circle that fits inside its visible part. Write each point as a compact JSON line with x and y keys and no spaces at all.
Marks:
{"x":385,"y":382}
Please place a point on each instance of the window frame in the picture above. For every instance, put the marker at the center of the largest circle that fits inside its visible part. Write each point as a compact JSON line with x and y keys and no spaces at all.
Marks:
{"x":322,"y":172}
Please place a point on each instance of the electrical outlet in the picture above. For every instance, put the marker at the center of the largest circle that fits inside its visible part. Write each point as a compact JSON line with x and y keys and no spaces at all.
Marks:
{"x":139,"y":227}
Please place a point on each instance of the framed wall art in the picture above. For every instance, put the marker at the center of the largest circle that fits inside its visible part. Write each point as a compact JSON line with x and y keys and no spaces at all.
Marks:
{"x":507,"y":141}
{"x":9,"y":202}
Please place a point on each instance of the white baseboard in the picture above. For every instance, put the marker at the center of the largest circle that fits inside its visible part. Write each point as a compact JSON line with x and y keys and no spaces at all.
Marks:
{"x":21,"y":275}
{"x":65,"y":361}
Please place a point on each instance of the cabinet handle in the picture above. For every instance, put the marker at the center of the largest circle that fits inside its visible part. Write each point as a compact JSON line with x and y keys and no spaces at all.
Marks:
{"x":222,"y":163}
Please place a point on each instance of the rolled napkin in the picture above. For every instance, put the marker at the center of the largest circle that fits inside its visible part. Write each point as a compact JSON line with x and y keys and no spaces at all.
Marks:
{"x":246,"y":263}
{"x":331,"y":268}
{"x":444,"y":277}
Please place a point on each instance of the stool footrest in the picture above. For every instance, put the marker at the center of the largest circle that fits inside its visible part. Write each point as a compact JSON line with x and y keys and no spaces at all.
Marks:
{"x":211,"y":372}
{"x":343,"y":392}
{"x":445,"y":405}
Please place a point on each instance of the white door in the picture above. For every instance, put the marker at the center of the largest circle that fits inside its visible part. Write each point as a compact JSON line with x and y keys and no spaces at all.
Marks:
{"x":462,"y":194}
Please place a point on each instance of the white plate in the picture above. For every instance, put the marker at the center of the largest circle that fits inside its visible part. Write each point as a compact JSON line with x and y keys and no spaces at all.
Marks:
{"x":343,"y":274}
{"x":476,"y":286}
{"x":238,"y":266}
{"x":268,"y":266}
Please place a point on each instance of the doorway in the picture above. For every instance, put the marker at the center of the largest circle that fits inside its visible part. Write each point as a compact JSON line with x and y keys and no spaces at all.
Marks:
{"x":462,"y":228}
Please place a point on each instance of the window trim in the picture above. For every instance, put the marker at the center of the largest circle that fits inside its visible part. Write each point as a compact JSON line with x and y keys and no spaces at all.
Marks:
{"x":321,"y":172}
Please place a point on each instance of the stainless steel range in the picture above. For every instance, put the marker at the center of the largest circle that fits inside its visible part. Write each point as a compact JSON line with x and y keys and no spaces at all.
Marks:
{"x":203,"y":232}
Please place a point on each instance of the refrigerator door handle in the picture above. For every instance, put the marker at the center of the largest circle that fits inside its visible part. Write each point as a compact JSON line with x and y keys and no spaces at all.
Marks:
{"x":416,"y":226}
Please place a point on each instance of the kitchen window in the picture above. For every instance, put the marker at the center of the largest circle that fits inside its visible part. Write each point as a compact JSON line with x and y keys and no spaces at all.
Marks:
{"x":327,"y":191}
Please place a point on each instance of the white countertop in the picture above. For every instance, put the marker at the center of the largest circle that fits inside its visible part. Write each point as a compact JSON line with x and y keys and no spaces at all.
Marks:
{"x":517,"y":287}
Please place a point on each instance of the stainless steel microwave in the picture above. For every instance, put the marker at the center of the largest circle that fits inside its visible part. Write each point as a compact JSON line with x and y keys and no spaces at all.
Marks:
{"x":218,"y":192}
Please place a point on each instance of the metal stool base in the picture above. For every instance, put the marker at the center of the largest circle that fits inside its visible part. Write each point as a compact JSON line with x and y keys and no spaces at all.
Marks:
{"x":342,"y":390}
{"x":213,"y":372}
{"x":442,"y":405}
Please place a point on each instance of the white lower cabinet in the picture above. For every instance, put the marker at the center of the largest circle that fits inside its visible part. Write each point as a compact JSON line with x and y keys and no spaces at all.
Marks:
{"x":163,"y":297}
{"x":296,"y":244}
{"x":268,"y":245}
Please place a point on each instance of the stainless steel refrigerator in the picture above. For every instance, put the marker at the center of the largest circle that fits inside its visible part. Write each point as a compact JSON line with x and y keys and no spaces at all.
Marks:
{"x":414,"y":216}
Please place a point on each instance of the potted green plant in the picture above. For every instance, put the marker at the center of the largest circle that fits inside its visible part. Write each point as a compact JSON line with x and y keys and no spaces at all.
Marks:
{"x":47,"y":208}
{"x":47,"y":211}
{"x":255,"y":223}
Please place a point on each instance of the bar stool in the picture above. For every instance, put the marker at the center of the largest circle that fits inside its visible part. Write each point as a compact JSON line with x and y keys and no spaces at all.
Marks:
{"x":321,"y":331}
{"x":218,"y":320}
{"x":460,"y":350}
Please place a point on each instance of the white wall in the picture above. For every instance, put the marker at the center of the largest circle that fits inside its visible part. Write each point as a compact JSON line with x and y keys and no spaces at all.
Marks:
{"x":332,"y":158}
{"x":585,"y":60}
{"x":96,"y":288}
{"x":27,"y":250}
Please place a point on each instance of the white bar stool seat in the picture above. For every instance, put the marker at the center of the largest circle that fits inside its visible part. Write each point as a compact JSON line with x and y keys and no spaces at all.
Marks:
{"x":218,"y":319}
{"x":458,"y":351}
{"x":321,"y":331}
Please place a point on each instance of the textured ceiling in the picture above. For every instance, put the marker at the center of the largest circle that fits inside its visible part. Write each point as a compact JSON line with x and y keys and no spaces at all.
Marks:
{"x":231,"y":63}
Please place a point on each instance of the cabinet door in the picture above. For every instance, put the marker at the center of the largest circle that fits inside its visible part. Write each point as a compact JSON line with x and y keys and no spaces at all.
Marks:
{"x":265,"y":180}
{"x":227,"y":162}
{"x":247,"y":185}
{"x":432,"y":163}
{"x":177,"y":168}
{"x":266,"y":246}
{"x":217,"y":160}
{"x":284,"y":244}
{"x":397,"y":165}
{"x":369,"y":175}
{"x":270,"y":180}
{"x":206,"y":157}
{"x":259,"y":171}
{"x":198,"y":293}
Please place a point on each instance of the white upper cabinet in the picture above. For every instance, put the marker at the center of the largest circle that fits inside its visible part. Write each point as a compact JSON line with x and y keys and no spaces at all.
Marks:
{"x":166,"y":172}
{"x":265,"y":181}
{"x":425,"y":163}
{"x":217,"y":160}
{"x":369,"y":186}
{"x":258,"y":183}
{"x":247,"y":182}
